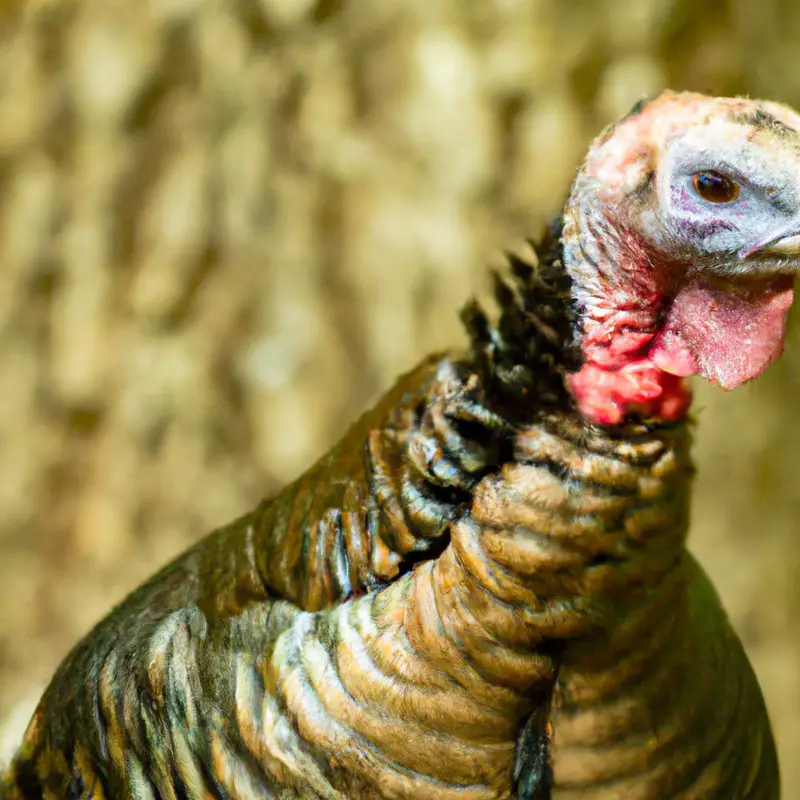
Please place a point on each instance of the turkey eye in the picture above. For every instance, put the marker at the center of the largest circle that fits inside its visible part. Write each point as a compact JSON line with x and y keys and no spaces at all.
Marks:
{"x":714,"y":187}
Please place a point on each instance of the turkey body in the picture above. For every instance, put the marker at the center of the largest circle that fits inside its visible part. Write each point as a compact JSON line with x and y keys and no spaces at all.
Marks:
{"x":476,"y":595}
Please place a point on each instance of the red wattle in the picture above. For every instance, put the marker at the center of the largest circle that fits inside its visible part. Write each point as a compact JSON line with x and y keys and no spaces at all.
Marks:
{"x":672,"y":355}
{"x":727,"y":334}
{"x":607,"y":396}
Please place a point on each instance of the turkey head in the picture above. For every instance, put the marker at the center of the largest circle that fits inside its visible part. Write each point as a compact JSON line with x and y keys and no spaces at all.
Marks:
{"x":682,"y":236}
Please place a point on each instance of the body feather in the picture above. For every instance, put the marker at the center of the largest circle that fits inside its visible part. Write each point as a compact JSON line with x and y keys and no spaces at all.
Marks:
{"x":476,"y":594}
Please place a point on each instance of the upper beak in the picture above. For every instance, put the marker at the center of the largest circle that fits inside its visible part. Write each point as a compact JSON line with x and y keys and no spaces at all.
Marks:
{"x":783,"y":245}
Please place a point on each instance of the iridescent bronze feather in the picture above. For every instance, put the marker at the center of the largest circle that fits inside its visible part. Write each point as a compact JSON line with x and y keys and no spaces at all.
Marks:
{"x":393,"y":623}
{"x":480,"y":593}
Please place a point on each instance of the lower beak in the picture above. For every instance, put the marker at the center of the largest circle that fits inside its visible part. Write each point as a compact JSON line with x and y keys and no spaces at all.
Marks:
{"x":781,"y":246}
{"x":786,"y":246}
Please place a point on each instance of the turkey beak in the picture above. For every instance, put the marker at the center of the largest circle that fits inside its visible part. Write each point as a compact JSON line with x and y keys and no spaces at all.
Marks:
{"x":779,"y":246}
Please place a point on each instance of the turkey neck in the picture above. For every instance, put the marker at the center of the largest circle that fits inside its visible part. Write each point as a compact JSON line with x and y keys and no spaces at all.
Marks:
{"x":570,"y":534}
{"x":654,"y":697}
{"x":657,"y":698}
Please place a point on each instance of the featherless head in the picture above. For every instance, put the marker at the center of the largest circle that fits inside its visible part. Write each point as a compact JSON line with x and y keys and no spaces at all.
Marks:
{"x":682,"y":237}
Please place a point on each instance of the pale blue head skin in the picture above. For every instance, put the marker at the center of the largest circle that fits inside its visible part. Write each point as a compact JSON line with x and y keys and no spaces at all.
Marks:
{"x":757,"y":232}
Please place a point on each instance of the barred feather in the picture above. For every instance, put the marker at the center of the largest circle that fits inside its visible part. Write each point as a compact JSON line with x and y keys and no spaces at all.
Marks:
{"x":398,"y":622}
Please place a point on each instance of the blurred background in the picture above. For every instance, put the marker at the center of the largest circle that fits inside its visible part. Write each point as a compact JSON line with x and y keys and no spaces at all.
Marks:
{"x":225,"y":225}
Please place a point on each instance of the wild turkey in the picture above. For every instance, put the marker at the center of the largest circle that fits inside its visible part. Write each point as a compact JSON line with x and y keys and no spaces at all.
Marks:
{"x":483,"y":590}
